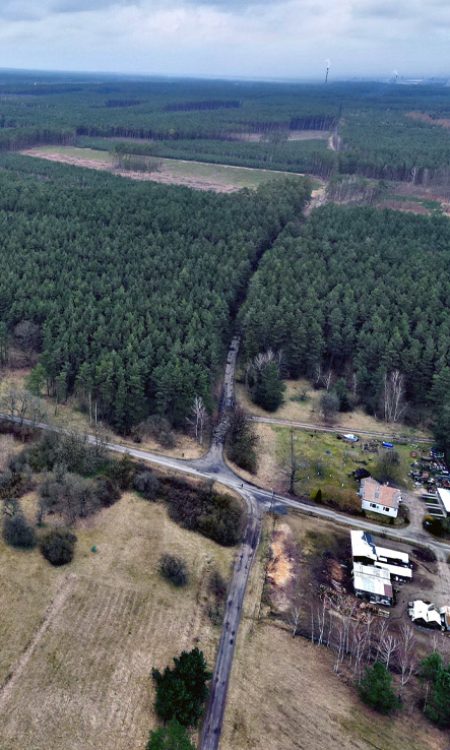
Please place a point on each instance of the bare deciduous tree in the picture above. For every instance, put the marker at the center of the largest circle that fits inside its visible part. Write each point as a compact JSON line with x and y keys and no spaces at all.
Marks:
{"x":387,"y":647}
{"x":407,"y":654}
{"x":393,"y":396}
{"x":199,"y":418}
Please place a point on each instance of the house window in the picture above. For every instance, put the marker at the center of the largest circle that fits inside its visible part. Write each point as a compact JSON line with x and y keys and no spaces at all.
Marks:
{"x":386,"y":509}
{"x":373,"y":505}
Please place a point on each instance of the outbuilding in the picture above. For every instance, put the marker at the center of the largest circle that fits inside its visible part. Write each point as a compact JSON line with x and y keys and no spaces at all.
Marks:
{"x":373,"y":584}
{"x":444,"y":500}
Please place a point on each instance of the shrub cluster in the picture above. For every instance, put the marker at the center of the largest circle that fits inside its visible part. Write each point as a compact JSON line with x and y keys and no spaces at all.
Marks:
{"x":17,"y":532}
{"x":57,"y":546}
{"x":216,"y":516}
{"x":243,"y":442}
{"x":174,"y":569}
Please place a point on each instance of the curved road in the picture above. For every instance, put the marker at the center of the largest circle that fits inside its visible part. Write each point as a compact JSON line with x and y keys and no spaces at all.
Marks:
{"x":212,"y":466}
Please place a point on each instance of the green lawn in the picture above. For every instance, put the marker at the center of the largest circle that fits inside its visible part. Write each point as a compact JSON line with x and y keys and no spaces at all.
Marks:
{"x":323,"y":460}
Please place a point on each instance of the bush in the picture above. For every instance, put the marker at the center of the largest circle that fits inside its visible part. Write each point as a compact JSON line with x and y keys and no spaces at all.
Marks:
{"x":17,"y":532}
{"x":345,"y":500}
{"x":218,"y":589}
{"x":376,"y":690}
{"x":219,"y":517}
{"x":58,"y":546}
{"x":106,"y":491}
{"x":387,"y":468}
{"x":174,"y":569}
{"x":243,"y":442}
{"x":439,"y":527}
{"x":122,"y":472}
{"x":156,"y":427}
{"x":147,"y":484}
{"x":171,"y":737}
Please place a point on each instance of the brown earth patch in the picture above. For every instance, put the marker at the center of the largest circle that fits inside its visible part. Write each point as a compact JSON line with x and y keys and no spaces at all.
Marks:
{"x":443,"y":122}
{"x":283,"y":566}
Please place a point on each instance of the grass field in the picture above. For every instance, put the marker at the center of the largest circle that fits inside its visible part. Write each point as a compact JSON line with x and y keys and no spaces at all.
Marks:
{"x":200,"y":175}
{"x":77,"y":644}
{"x":284,"y":694}
{"x":301,"y":404}
{"x":322,"y":460}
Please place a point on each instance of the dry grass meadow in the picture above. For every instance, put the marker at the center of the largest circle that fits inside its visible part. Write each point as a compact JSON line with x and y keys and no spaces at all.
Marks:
{"x":68,"y":415}
{"x":219,"y":178}
{"x":77,"y":644}
{"x":307,"y":410}
{"x":285,"y":695}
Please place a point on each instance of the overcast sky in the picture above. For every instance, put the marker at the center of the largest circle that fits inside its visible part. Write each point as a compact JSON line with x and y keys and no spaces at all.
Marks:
{"x":254,"y":38}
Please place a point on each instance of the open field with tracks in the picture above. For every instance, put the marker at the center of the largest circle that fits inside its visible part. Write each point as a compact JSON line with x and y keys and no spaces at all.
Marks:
{"x":77,"y":644}
{"x":198,"y":175}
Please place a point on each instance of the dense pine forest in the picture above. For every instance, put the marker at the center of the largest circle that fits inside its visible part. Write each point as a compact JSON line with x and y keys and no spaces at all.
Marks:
{"x":360,"y":293}
{"x":128,"y":290}
{"x":380,"y":130}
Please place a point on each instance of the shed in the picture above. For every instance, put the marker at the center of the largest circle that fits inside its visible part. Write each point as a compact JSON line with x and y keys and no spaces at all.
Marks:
{"x":373,"y":583}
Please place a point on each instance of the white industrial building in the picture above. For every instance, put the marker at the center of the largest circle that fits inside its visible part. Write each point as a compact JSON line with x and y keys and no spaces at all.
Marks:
{"x":373,"y":583}
{"x":374,"y":567}
{"x":366,"y":551}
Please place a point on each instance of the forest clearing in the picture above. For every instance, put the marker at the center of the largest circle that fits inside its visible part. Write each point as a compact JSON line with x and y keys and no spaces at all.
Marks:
{"x":77,"y":647}
{"x":302,"y":404}
{"x":197,"y":175}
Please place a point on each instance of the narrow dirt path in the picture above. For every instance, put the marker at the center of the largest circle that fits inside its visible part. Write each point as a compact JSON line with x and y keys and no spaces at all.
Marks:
{"x":64,"y":590}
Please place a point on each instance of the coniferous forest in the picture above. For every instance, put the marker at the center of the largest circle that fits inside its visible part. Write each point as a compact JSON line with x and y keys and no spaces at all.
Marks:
{"x":131,"y":287}
{"x":361,"y":292}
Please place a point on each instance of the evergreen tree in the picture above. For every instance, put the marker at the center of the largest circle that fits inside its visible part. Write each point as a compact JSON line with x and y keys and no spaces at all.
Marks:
{"x":174,"y":736}
{"x":376,"y":690}
{"x":269,"y":387}
{"x":181,"y":692}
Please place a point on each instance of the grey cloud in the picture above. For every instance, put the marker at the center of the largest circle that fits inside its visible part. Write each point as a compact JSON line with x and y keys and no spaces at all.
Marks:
{"x":383,"y":10}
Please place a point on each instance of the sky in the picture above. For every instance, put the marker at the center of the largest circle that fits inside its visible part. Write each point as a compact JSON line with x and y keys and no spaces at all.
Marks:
{"x":230,"y":38}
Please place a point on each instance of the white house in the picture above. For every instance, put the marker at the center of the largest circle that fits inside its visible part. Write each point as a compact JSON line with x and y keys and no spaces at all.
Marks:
{"x":379,"y":498}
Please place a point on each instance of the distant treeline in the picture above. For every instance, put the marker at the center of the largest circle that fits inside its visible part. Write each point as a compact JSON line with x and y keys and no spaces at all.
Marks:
{"x":378,"y":137}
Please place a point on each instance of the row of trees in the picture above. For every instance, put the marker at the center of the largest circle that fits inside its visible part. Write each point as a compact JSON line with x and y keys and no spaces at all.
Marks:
{"x":132,"y":286}
{"x":358,"y":296}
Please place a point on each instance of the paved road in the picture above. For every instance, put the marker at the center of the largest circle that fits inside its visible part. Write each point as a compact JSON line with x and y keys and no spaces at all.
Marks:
{"x":339,"y":429}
